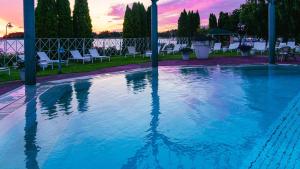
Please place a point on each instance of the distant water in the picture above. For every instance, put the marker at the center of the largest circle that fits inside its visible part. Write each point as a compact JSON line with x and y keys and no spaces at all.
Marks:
{"x":13,"y":46}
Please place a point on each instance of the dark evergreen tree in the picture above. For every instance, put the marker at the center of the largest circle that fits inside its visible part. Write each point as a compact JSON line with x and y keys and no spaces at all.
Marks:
{"x":182,"y":24}
{"x":82,"y":24}
{"x":127,"y":24}
{"x":46,"y":19}
{"x":136,"y":23}
{"x":149,"y":21}
{"x":212,"y":21}
{"x":234,"y":20}
{"x":224,"y":21}
{"x":188,"y":23}
{"x":65,"y":25}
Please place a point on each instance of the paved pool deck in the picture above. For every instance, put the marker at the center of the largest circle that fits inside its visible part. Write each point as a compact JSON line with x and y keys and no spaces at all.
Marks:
{"x":4,"y":88}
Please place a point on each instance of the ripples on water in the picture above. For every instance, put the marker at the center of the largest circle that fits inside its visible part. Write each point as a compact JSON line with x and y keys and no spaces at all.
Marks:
{"x":168,"y":118}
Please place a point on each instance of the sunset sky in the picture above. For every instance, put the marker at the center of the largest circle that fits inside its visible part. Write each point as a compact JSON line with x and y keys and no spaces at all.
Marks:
{"x":108,"y":14}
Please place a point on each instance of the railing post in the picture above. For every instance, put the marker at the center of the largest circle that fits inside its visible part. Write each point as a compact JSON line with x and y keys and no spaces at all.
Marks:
{"x":83,"y":47}
{"x":272,"y":32}
{"x":29,"y":40}
{"x":154,"y":34}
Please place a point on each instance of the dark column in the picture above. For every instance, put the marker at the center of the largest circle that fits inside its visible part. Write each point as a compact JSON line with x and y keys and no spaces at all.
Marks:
{"x":272,"y":32}
{"x":29,"y":42}
{"x":154,"y":34}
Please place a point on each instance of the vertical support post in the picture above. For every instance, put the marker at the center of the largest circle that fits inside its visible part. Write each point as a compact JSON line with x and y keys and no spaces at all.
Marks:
{"x":272,"y":31}
{"x":29,"y":40}
{"x":154,"y":34}
{"x":59,"y":50}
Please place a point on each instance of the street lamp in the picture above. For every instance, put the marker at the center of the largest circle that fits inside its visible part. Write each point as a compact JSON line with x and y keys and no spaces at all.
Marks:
{"x":154,"y":34}
{"x":8,"y":25}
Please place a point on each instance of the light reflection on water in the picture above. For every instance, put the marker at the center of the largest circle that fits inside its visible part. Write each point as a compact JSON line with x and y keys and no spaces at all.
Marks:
{"x":167,"y":118}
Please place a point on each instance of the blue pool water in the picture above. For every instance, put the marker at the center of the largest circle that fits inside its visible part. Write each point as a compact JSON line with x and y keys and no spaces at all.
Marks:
{"x":174,"y":117}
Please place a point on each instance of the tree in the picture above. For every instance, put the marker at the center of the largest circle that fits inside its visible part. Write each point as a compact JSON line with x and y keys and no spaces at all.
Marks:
{"x":149,"y":21}
{"x":64,"y":19}
{"x":82,"y":24}
{"x":182,"y":24}
{"x":188,"y":23}
{"x":136,"y":22}
{"x":224,"y":21}
{"x":127,"y":31}
{"x":212,"y":21}
{"x":234,"y":20}
{"x":46,"y":19}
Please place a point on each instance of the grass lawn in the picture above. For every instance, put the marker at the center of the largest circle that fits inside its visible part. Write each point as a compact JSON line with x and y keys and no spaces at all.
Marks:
{"x":74,"y":67}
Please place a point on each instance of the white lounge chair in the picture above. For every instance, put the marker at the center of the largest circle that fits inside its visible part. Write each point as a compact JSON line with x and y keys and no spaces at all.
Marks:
{"x":233,"y":47}
{"x":132,"y":51}
{"x":78,"y":57}
{"x":281,"y":45}
{"x":95,"y":55}
{"x":217,"y":47}
{"x":44,"y":58}
{"x":292,"y":45}
{"x":43,"y":64}
{"x":259,"y":47}
{"x":176,"y":49}
{"x":5,"y":69}
{"x":149,"y":52}
{"x":21,"y":57}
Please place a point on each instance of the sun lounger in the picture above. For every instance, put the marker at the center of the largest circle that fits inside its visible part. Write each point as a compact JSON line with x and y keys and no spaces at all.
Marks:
{"x":132,"y":51}
{"x":78,"y":57}
{"x":44,"y":58}
{"x":95,"y":55}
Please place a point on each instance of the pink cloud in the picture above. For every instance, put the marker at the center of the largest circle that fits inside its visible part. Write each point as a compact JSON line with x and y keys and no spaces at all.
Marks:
{"x":169,"y":12}
{"x":117,"y":11}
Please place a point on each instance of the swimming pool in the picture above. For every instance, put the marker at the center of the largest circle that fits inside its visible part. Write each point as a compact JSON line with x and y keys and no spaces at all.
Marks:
{"x":173,"y":117}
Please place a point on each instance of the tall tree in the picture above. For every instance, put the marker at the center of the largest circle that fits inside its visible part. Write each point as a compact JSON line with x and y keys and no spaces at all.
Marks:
{"x":64,"y":19}
{"x":149,"y":21}
{"x":212,"y":21}
{"x":82,"y":24}
{"x":136,"y":21}
{"x":182,"y":24}
{"x":128,"y":22}
{"x":46,"y":19}
{"x":224,"y":21}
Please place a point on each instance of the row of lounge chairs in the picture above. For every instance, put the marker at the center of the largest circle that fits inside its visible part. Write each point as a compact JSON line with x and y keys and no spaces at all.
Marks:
{"x":45,"y":61}
{"x":162,"y":49}
{"x":257,"y":46}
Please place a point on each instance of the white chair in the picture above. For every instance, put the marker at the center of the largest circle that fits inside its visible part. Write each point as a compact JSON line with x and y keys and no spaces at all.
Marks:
{"x":292,"y":45}
{"x":5,"y":69}
{"x":176,"y":49}
{"x":44,"y":58}
{"x":148,"y":53}
{"x":132,"y":51}
{"x":78,"y":57}
{"x":43,"y":64}
{"x":233,"y":47}
{"x":217,"y":47}
{"x":259,"y":47}
{"x":95,"y":55}
{"x":281,"y":45}
{"x":21,"y":57}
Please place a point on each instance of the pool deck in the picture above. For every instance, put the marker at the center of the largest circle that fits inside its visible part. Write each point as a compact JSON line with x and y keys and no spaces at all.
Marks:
{"x":4,"y":88}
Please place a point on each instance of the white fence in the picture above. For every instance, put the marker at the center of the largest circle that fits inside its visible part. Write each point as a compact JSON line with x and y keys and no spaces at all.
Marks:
{"x":111,"y":47}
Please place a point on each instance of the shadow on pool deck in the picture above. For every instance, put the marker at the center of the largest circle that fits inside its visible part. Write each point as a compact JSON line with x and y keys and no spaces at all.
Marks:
{"x":4,"y":88}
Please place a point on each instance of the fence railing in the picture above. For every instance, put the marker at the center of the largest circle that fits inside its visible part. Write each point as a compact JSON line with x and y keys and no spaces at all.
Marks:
{"x":110,"y":47}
